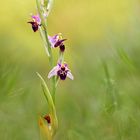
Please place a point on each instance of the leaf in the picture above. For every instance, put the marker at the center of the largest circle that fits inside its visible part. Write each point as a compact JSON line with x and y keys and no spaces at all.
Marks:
{"x":52,"y":110}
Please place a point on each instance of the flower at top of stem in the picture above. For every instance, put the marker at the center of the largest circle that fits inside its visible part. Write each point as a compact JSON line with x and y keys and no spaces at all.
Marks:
{"x":36,"y":22}
{"x":56,"y":41}
{"x":62,"y":71}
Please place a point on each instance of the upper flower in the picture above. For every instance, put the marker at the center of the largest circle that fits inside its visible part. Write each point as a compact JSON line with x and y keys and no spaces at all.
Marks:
{"x":56,"y":41}
{"x":62,"y":71}
{"x":36,"y":22}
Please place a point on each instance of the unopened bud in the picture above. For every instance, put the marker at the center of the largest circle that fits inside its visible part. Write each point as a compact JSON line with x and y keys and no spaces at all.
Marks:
{"x":47,"y":118}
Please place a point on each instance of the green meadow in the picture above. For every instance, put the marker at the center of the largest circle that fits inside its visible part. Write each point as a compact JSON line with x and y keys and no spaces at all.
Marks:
{"x":103,"y":53}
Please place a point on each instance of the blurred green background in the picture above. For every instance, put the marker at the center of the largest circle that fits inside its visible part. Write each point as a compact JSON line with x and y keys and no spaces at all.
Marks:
{"x":103,"y":49}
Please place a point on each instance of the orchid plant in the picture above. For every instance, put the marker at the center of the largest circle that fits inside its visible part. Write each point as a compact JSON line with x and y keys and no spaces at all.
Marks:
{"x":48,"y":123}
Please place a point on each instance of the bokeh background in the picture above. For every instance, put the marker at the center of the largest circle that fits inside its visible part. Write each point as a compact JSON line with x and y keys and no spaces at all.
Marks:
{"x":103,"y":52}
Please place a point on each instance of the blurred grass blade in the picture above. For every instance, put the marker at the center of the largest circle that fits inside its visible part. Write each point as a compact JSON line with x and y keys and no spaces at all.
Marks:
{"x":125,"y":58}
{"x":52,"y":110}
{"x":111,"y":98}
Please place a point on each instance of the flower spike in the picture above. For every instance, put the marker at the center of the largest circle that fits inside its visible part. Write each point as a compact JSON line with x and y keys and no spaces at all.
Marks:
{"x":48,"y":123}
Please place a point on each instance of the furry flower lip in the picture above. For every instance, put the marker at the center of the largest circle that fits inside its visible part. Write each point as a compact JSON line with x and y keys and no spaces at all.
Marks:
{"x":56,"y":41}
{"x":62,"y":71}
{"x":36,"y":22}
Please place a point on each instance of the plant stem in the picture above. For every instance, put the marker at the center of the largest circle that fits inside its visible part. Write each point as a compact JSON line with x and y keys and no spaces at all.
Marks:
{"x":47,"y":43}
{"x":61,"y":57}
{"x":51,"y":105}
{"x":53,"y":88}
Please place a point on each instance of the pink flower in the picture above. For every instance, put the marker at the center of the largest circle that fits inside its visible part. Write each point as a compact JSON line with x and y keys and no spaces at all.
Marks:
{"x":36,"y":22}
{"x":56,"y":41}
{"x":62,"y":71}
{"x":36,"y":19}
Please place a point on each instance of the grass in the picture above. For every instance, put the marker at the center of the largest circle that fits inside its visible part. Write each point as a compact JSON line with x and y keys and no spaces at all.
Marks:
{"x":103,"y":102}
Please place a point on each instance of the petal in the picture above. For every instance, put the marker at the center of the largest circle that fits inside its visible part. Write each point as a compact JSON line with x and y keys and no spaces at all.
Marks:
{"x":66,"y":65}
{"x":36,"y":18}
{"x":56,"y":37}
{"x":59,"y":65}
{"x":52,"y":40}
{"x":53,"y":72}
{"x":69,"y":75}
{"x":59,"y":42}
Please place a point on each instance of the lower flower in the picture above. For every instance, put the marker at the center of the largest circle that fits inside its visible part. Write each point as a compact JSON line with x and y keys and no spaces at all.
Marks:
{"x":62,"y":71}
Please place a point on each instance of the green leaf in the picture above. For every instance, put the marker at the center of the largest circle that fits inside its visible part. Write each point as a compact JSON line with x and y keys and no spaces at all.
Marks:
{"x":52,"y":110}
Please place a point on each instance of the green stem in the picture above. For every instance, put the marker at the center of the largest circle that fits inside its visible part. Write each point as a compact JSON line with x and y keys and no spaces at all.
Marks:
{"x":48,"y":45}
{"x":61,"y":57}
{"x":49,"y":6}
{"x":44,"y":40}
{"x":53,"y":88}
{"x":44,"y":25}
